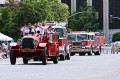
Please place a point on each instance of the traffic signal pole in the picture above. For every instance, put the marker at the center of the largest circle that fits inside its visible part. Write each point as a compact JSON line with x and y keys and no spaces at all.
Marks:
{"x":106,"y":20}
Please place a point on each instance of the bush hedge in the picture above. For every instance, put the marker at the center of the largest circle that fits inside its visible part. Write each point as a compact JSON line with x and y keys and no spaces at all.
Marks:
{"x":116,"y":37}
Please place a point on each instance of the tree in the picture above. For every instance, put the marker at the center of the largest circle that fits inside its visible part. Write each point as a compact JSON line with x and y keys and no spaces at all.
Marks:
{"x":85,"y":20}
{"x":60,"y":10}
{"x":12,"y":3}
{"x":116,"y":37}
{"x":7,"y":26}
{"x":16,"y":14}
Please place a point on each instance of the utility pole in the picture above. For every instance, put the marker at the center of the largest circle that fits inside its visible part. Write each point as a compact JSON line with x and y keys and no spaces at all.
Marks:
{"x":106,"y":20}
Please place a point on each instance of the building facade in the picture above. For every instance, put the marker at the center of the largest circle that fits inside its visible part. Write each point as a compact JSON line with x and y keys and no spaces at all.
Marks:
{"x":2,"y":2}
{"x":114,"y":10}
{"x":112,"y":25}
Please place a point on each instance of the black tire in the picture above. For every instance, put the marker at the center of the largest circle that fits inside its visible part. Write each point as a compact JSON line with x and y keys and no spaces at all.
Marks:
{"x":72,"y":54}
{"x":12,"y":58}
{"x":89,"y":54}
{"x":25,"y":61}
{"x":62,"y":57}
{"x":44,"y":60}
{"x":55,"y":59}
{"x":68,"y":56}
{"x":82,"y":54}
{"x":97,"y":53}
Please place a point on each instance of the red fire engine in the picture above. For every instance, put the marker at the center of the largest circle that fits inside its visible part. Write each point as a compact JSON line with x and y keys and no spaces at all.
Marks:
{"x":85,"y":42}
{"x":64,"y":48}
{"x":33,"y":47}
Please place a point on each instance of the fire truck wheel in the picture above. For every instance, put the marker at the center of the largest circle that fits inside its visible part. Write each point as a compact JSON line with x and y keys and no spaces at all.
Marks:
{"x":89,"y":54}
{"x":68,"y":56}
{"x":55,"y":59}
{"x":97,"y":53}
{"x":82,"y":54}
{"x":72,"y":54}
{"x":12,"y":57}
{"x":62,"y":57}
{"x":44,"y":60}
{"x":25,"y":61}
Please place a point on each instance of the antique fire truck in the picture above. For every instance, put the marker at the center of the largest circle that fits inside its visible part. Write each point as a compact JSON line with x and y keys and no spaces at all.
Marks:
{"x":64,"y":48}
{"x":83,"y":42}
{"x":33,"y":47}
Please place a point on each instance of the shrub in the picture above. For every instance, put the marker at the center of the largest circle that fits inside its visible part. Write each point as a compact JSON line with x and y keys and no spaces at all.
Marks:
{"x":116,"y":37}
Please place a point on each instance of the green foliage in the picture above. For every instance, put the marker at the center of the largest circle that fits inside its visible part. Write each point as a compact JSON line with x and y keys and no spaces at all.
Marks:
{"x":15,"y":15}
{"x":116,"y":37}
{"x":60,"y":10}
{"x":6,"y":22}
{"x":86,"y":20}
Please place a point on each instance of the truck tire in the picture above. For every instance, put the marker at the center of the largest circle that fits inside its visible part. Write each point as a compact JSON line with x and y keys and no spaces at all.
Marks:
{"x":44,"y":60}
{"x":12,"y":58}
{"x":55,"y":59}
{"x":62,"y":57}
{"x":25,"y":61}
{"x":82,"y":54}
{"x":72,"y":54}
{"x":97,"y":53}
{"x":68,"y":56}
{"x":89,"y":54}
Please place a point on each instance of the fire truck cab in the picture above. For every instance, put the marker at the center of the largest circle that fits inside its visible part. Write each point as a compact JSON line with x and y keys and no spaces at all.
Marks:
{"x":83,"y":42}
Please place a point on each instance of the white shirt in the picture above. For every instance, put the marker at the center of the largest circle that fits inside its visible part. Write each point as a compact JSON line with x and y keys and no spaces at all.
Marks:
{"x":26,"y":30}
{"x":41,"y":29}
{"x":4,"y":46}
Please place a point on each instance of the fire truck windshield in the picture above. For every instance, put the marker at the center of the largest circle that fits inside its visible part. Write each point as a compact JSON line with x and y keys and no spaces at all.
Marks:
{"x":71,"y":37}
{"x":60,"y":31}
{"x":81,"y":37}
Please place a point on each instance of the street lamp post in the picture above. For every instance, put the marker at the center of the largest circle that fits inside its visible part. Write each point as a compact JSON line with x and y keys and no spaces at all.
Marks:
{"x":106,"y":20}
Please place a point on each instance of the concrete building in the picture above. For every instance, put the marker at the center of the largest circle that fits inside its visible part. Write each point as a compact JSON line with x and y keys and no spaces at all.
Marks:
{"x":2,"y":2}
{"x":105,"y":8}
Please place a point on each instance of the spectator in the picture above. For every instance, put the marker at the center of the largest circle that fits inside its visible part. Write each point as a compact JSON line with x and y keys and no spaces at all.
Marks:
{"x":31,"y":28}
{"x":0,"y":50}
{"x":4,"y":49}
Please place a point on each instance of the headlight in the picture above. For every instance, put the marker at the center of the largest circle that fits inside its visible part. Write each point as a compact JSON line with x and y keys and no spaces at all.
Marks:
{"x":35,"y":42}
{"x":19,"y":42}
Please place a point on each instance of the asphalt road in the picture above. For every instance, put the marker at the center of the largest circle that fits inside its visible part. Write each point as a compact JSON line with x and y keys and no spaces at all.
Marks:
{"x":104,"y":67}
